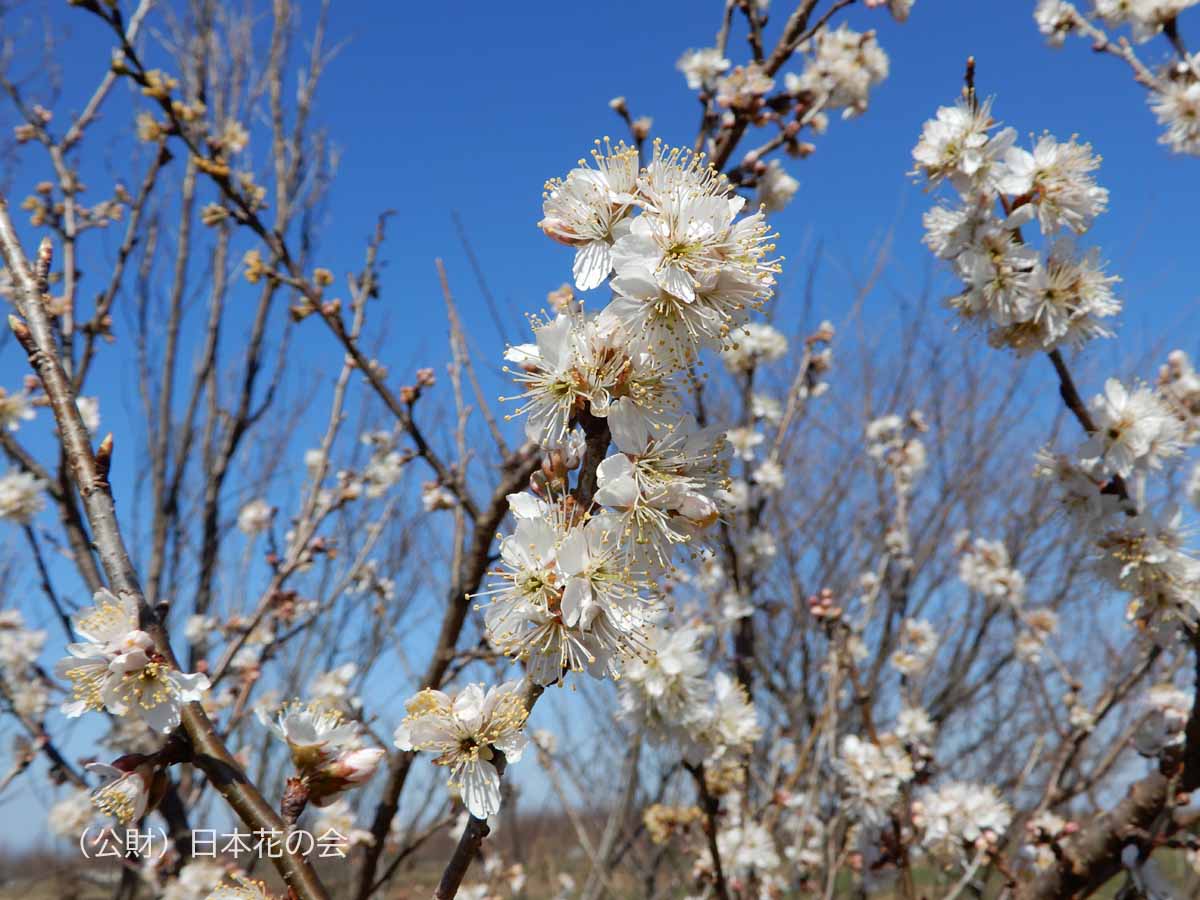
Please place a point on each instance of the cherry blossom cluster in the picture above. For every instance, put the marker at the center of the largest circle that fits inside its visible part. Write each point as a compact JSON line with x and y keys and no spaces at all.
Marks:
{"x":1025,"y":297}
{"x":579,"y":584}
{"x":1033,"y":300}
{"x":668,"y":694}
{"x":1174,"y":89}
{"x":1104,"y":488}
{"x":841,"y":68}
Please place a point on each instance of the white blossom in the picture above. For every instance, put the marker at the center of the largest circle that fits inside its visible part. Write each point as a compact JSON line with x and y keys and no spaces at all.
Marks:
{"x":72,"y":815}
{"x":747,"y":849}
{"x":872,"y":775}
{"x":766,"y":408}
{"x":195,"y":881}
{"x":243,"y":888}
{"x":124,"y":795}
{"x":314,"y":733}
{"x":1134,"y":429}
{"x":255,"y":517}
{"x":664,"y":488}
{"x":1057,"y":178}
{"x":15,"y":408}
{"x":702,"y":67}
{"x":743,"y":440}
{"x":730,"y":725}
{"x":954,"y":816}
{"x":1176,"y":104}
{"x":586,"y":209}
{"x":917,"y":643}
{"x":466,"y":730}
{"x":666,"y":692}
{"x":332,"y":688}
{"x":1145,"y":17}
{"x":842,"y":66}
{"x":20,"y":496}
{"x":690,"y":242}
{"x":755,"y":343}
{"x":116,"y":668}
{"x":1067,"y":296}
{"x":19,"y":646}
{"x":1080,"y":488}
{"x":741,"y":87}
{"x":985,"y":567}
{"x":339,"y":816}
{"x":776,"y":187}
{"x":1143,"y":554}
{"x":770,"y":476}
{"x":913,"y":725}
{"x":583,"y":362}
{"x":1055,"y":19}
{"x":326,"y":749}
{"x":436,"y":496}
{"x":956,"y":145}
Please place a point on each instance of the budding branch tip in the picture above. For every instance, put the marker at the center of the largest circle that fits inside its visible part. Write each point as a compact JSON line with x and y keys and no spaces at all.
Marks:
{"x":104,"y":454}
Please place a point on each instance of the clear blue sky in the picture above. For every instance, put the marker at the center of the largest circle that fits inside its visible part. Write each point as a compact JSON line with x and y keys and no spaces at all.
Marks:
{"x":469,"y":107}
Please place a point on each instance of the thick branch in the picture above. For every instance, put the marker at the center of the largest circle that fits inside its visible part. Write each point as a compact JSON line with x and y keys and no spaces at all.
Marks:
{"x":37,"y":337}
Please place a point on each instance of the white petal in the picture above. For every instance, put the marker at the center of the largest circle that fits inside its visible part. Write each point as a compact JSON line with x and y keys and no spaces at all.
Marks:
{"x":481,"y":790}
{"x":576,"y":598}
{"x":512,"y":745}
{"x":593,"y":262}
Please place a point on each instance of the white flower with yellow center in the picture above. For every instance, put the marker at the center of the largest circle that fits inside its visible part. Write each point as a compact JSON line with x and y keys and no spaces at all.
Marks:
{"x":843,"y":65}
{"x":467,"y":730}
{"x":679,"y":328}
{"x":586,"y":209}
{"x":872,"y":775}
{"x":314,"y":733}
{"x":664,"y":488}
{"x":956,"y":144}
{"x":123,"y":795}
{"x":690,"y":239}
{"x":753,"y":344}
{"x":588,"y":363}
{"x":116,"y":668}
{"x":1057,"y":180}
{"x":1135,"y":429}
{"x":954,"y":817}
{"x":730,"y":726}
{"x":1068,"y":296}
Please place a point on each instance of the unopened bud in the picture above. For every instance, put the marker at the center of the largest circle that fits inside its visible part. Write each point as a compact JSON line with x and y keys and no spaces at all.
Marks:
{"x":104,"y":455}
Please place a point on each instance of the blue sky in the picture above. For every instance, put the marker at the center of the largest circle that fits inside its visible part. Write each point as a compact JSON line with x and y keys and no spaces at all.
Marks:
{"x":467,"y":108}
